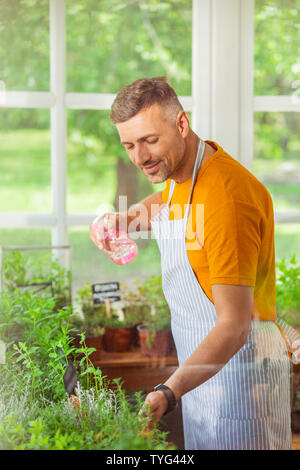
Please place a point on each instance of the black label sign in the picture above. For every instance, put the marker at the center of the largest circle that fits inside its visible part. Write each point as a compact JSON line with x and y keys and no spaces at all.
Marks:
{"x":110,"y":290}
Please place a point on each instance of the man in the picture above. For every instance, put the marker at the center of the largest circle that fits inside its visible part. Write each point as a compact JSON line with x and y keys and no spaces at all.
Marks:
{"x":214,"y":226}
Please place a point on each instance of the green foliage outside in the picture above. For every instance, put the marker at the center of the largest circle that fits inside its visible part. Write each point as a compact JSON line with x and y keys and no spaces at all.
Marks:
{"x":40,"y":273}
{"x":288,"y":290}
{"x":110,"y":44}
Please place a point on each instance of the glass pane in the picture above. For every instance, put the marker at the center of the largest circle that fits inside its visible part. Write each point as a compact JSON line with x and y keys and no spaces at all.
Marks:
{"x":99,"y":169}
{"x":25,"y":170}
{"x":112,"y":43}
{"x":287,"y":241}
{"x":24,"y":45}
{"x":89,"y":264}
{"x":276,"y":45}
{"x":32,"y":269}
{"x":25,"y":237}
{"x":277,"y":157}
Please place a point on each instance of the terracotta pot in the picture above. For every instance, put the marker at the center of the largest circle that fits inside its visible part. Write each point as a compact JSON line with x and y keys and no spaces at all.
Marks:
{"x":91,"y":342}
{"x":154,"y":347}
{"x":136,"y":339}
{"x":118,"y":339}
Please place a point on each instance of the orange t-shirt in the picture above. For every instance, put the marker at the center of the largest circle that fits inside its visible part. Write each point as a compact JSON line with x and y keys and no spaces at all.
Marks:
{"x":233,"y":213}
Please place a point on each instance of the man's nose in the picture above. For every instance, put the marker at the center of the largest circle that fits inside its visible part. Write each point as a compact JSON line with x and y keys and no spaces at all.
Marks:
{"x":141,"y":155}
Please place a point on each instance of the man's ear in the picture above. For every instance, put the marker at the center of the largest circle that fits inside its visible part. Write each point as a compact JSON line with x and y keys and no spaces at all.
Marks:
{"x":183,"y":123}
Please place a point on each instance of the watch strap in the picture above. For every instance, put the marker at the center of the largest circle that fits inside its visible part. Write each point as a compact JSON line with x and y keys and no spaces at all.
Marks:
{"x":172,"y":402}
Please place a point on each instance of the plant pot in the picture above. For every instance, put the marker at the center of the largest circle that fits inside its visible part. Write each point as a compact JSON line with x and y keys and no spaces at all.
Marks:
{"x":118,"y":339}
{"x":154,"y":344}
{"x":91,"y":342}
{"x":136,"y":339}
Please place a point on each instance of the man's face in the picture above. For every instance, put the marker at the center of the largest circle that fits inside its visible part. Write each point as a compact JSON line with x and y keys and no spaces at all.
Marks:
{"x":153,"y":143}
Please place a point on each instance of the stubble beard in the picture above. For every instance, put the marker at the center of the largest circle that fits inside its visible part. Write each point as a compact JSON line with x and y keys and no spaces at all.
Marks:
{"x":162,"y":175}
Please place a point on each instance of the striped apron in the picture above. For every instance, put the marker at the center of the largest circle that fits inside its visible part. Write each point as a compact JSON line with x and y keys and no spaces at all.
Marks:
{"x":246,"y":405}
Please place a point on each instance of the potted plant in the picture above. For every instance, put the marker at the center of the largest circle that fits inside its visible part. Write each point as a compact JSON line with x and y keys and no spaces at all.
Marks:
{"x":288,"y":309}
{"x":93,"y":336}
{"x":155,"y":332}
{"x":117,"y":329}
{"x":119,"y":332}
{"x":135,"y":307}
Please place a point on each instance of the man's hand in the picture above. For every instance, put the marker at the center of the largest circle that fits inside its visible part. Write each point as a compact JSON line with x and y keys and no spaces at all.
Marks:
{"x":153,"y":408}
{"x":101,"y":225}
{"x":137,"y":218}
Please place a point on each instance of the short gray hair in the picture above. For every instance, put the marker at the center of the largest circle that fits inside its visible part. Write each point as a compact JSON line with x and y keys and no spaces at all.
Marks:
{"x":142,"y":94}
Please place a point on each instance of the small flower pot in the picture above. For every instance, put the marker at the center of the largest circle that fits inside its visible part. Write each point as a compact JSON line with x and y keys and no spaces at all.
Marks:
{"x":154,"y":344}
{"x":118,"y":339}
{"x":136,"y":339}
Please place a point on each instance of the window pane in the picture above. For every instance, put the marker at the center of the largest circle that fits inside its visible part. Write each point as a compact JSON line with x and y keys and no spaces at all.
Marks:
{"x":25,"y":160}
{"x":91,"y":264}
{"x":99,"y":169}
{"x":25,"y":237}
{"x":33,"y":269}
{"x":287,"y":241}
{"x":112,"y":43}
{"x":24,"y":45}
{"x":277,"y":157}
{"x":277,"y":39}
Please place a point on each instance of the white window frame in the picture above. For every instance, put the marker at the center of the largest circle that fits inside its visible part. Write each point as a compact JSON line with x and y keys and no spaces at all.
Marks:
{"x":222,"y":101}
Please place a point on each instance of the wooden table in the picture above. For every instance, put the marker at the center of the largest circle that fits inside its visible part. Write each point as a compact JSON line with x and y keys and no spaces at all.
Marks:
{"x":137,"y":372}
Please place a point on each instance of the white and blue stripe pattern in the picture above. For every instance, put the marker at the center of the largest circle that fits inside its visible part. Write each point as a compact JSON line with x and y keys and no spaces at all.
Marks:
{"x":247,"y":404}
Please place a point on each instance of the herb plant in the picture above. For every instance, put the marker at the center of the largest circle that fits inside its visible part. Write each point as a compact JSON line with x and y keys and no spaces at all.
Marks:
{"x":288,"y":290}
{"x":35,"y":412}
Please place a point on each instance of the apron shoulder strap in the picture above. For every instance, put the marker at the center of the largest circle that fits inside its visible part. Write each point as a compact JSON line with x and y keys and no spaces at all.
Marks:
{"x":172,"y":186}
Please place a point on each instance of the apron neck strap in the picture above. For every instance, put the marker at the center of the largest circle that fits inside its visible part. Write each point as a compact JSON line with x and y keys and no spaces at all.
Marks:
{"x":196,"y":169}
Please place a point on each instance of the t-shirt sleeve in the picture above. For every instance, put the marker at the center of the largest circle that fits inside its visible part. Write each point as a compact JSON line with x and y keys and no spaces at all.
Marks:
{"x":232,"y":240}
{"x":165,"y":193}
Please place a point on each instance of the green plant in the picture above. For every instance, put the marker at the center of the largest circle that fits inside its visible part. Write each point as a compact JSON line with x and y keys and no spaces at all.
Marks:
{"x":152,"y":293}
{"x":135,"y":304}
{"x":20,"y":270}
{"x":93,"y":316}
{"x":288,"y":290}
{"x":34,"y":410}
{"x":117,"y":320}
{"x":158,"y":317}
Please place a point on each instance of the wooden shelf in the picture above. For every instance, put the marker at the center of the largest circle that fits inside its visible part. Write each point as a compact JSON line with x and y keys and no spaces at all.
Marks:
{"x":138,"y":372}
{"x":134,"y":358}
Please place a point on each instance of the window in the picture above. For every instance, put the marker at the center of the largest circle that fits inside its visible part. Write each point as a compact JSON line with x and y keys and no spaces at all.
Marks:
{"x":277,"y":114}
{"x":96,"y":47}
{"x":66,"y":61}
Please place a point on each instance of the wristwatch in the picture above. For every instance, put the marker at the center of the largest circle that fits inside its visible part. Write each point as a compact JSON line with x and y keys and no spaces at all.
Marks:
{"x":172,"y":402}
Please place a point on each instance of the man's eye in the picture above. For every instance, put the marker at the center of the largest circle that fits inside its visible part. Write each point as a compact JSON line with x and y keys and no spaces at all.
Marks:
{"x":153,"y":141}
{"x":129,"y":147}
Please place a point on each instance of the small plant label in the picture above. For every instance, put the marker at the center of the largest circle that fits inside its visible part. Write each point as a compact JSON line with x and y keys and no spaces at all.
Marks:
{"x":108,"y":290}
